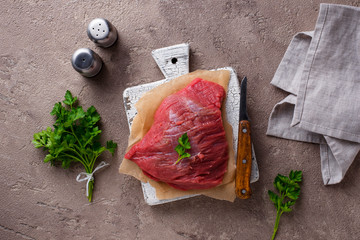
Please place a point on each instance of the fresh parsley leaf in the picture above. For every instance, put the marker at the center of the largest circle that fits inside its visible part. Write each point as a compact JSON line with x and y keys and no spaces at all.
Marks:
{"x":111,"y":146}
{"x":289,"y":192}
{"x":57,"y":109}
{"x":74,"y":138}
{"x":274,"y":198}
{"x":69,"y":100}
{"x":296,"y":176}
{"x":48,"y":158}
{"x":183,"y":145}
{"x":180,"y":150}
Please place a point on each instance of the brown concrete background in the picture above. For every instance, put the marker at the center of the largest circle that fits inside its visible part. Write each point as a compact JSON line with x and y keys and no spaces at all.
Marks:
{"x":41,"y":202}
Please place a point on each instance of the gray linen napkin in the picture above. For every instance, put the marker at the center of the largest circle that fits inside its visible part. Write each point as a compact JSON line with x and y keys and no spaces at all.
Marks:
{"x":321,"y":71}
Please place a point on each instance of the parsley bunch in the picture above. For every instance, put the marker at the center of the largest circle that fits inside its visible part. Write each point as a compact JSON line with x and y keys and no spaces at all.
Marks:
{"x":184,"y":144}
{"x":289,"y":191}
{"x":75,"y":137}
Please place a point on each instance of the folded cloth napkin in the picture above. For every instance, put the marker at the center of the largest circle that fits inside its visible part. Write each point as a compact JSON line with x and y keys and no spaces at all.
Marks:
{"x":321,"y":71}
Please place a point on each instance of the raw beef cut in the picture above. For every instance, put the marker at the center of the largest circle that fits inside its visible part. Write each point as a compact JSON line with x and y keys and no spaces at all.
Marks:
{"x":194,"y":110}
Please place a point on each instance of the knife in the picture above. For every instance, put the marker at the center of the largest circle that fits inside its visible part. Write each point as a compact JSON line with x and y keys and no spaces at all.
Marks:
{"x":243,"y":161}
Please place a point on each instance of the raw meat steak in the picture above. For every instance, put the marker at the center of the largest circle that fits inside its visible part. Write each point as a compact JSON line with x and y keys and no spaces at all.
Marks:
{"x":194,"y":110}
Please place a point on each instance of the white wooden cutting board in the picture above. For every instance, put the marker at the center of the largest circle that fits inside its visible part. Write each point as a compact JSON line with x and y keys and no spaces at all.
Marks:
{"x":173,"y":62}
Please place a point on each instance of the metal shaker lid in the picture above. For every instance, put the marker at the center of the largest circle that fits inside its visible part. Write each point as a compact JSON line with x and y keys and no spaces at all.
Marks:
{"x":86,"y":62}
{"x":102,"y":32}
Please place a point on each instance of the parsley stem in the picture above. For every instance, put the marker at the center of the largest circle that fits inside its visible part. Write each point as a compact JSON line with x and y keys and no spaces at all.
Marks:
{"x":277,"y":221}
{"x":88,"y":141}
{"x":79,"y":152}
{"x":91,"y":187}
{"x":74,"y":151}
{"x":73,"y":133}
{"x":178,"y":160}
{"x":77,"y":159}
{"x":72,"y":130}
{"x":93,"y":162}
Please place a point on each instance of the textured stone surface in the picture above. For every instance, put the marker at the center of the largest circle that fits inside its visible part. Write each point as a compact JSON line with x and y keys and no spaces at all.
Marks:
{"x":42,"y":202}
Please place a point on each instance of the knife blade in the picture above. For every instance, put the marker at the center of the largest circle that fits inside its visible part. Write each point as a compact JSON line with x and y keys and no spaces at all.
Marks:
{"x":244,"y":154}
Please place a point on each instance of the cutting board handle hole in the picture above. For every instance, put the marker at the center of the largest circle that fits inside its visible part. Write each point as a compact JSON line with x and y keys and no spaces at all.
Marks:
{"x":174,"y":60}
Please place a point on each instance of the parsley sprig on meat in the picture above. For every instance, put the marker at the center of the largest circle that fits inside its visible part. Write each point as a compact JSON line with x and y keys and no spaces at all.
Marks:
{"x":289,"y":191}
{"x":75,"y":137}
{"x":184,"y":145}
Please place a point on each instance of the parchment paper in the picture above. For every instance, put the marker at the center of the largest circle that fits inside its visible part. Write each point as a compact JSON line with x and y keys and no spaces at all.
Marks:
{"x":146,"y":108}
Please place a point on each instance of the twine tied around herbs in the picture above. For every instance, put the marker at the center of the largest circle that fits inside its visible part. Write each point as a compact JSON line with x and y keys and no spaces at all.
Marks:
{"x":83,"y":176}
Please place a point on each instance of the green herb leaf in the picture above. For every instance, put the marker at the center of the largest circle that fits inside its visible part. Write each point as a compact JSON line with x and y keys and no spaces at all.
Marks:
{"x":286,"y":209}
{"x":57,"y":109}
{"x":69,"y":100}
{"x":111,"y":146}
{"x":75,"y":137}
{"x":76,"y":113}
{"x":48,"y":158}
{"x":181,"y":148}
{"x":91,"y":116}
{"x":290,"y":203}
{"x":289,"y":192}
{"x":184,"y":141}
{"x":296,"y":176}
{"x":274,"y":198}
{"x":279,"y":186}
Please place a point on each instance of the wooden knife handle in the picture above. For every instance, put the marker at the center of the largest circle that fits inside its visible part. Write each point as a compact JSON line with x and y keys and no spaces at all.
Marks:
{"x":244,"y":161}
